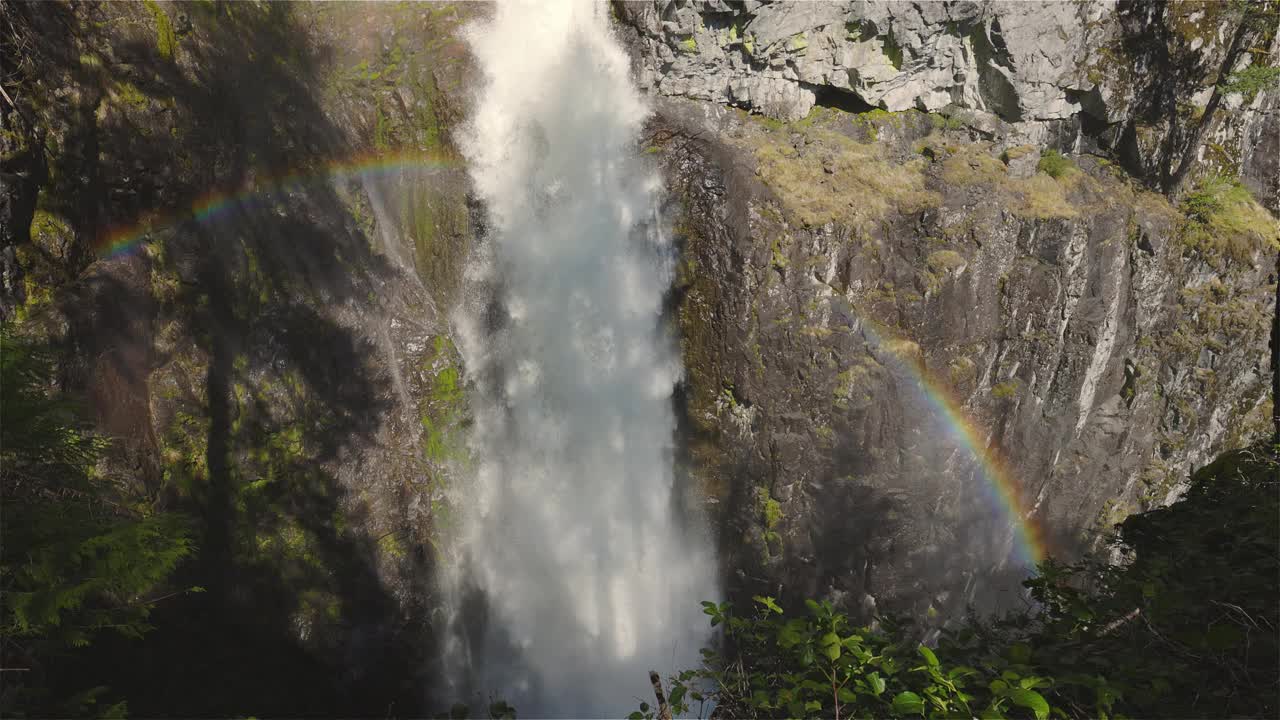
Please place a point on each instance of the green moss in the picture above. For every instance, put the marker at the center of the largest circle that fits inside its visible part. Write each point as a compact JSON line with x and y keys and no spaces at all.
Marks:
{"x":749,"y":44}
{"x":689,"y":45}
{"x":779,"y":259}
{"x":391,"y":545}
{"x":846,"y":382}
{"x":1200,"y":20}
{"x":129,"y":93}
{"x":438,"y":222}
{"x":826,"y":434}
{"x":945,"y":122}
{"x":1005,"y":391}
{"x":798,"y":42}
{"x":772,"y":513}
{"x":166,"y":41}
{"x":442,"y":410}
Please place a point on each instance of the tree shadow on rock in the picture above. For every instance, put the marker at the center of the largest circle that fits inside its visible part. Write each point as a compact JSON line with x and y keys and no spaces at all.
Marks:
{"x":245,"y":334}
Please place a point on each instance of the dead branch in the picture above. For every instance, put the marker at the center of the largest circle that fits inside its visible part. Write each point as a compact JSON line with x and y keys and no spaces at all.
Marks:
{"x":664,"y":710}
{"x":1114,"y":624}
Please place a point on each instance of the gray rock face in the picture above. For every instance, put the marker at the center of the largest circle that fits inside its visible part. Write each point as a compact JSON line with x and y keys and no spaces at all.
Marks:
{"x":1017,"y":60}
{"x":830,"y":348}
{"x":1077,"y":76}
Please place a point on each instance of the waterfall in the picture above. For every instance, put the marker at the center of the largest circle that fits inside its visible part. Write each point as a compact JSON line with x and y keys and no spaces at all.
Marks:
{"x":577,"y":571}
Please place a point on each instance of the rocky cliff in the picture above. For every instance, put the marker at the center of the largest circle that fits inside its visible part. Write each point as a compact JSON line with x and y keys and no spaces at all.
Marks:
{"x":892,"y":239}
{"x":1130,"y":79}
{"x":836,"y":274}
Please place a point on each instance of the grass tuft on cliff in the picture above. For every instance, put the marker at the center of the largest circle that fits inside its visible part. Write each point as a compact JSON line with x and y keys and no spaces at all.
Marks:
{"x":1224,"y":221}
{"x":833,"y":178}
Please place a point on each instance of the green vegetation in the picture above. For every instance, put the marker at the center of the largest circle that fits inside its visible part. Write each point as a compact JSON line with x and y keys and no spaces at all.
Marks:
{"x":1184,"y":625}
{"x":1252,"y":80}
{"x":1055,"y":164}
{"x":772,"y":513}
{"x":443,"y":409}
{"x":81,"y":554}
{"x":1224,"y":221}
{"x":946,"y":122}
{"x":820,"y":665}
{"x":438,"y":223}
{"x":849,"y":380}
{"x":166,"y":41}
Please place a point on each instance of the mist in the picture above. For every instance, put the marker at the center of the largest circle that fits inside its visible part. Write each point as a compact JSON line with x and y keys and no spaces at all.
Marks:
{"x":576,"y":571}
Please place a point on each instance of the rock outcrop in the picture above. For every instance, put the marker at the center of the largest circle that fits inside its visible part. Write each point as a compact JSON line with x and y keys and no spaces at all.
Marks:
{"x":1132,"y":79}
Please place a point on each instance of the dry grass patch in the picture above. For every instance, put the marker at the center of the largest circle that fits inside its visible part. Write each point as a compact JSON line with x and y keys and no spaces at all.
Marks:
{"x":944,"y":260}
{"x":972,"y":165}
{"x":833,"y":178}
{"x":1042,"y":196}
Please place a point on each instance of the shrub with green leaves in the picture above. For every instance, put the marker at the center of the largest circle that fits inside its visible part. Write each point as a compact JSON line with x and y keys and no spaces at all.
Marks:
{"x":1055,"y":164}
{"x":820,"y":666}
{"x":1185,"y":624}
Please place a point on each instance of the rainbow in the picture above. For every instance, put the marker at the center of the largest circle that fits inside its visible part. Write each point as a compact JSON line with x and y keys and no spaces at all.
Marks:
{"x":1003,"y":490}
{"x":127,"y":239}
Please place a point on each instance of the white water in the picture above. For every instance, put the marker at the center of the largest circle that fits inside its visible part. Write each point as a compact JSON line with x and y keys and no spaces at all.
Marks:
{"x":576,"y":573}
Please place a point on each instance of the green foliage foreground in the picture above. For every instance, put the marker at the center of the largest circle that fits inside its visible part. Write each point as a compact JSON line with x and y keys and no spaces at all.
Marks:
{"x":75,"y":560}
{"x":1177,"y":618}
